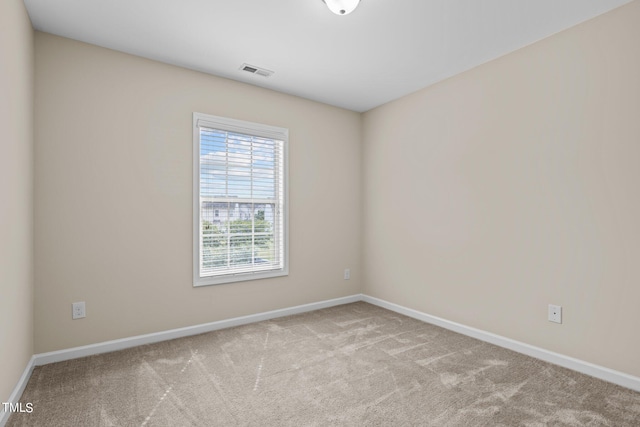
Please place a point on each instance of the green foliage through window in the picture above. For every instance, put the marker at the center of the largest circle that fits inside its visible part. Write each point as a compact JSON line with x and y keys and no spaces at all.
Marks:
{"x":237,"y":242}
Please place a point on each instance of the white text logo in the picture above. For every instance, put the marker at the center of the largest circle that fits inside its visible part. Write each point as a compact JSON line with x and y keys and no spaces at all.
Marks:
{"x":17,"y":407}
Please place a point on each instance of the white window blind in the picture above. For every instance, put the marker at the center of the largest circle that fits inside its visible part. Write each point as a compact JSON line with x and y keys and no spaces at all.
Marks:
{"x":240,"y":200}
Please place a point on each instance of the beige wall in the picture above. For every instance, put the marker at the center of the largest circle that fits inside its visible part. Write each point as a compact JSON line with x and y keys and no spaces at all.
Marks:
{"x":113,"y":196}
{"x":16,"y":194}
{"x":515,"y":185}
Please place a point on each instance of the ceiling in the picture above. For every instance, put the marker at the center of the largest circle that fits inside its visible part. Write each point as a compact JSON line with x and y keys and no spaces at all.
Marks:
{"x":383,"y":50}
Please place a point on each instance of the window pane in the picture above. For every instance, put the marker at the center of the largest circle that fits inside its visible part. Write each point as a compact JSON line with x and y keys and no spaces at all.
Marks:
{"x":240,"y":250}
{"x":214,"y":246}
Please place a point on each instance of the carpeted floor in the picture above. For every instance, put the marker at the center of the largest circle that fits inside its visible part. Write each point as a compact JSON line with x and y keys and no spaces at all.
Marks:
{"x":355,"y":365}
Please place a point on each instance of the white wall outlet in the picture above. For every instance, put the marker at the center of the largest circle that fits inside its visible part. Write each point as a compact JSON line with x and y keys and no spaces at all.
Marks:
{"x":555,"y":313}
{"x":78,"y":310}
{"x":347,"y":274}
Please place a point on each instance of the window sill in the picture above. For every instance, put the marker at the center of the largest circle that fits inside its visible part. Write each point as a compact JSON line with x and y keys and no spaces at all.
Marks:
{"x":240,"y":277}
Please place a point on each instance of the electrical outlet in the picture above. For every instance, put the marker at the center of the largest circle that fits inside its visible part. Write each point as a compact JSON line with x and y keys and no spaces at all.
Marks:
{"x":347,"y":274}
{"x":78,"y":310}
{"x":555,"y":313}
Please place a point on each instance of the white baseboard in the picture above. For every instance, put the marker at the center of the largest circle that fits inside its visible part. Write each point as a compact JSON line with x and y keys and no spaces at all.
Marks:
{"x":17,"y":391}
{"x":606,"y":374}
{"x":587,"y":368}
{"x":121,"y":344}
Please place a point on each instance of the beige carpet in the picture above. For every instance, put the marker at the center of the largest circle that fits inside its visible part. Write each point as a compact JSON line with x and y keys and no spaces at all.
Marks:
{"x":356,"y":365}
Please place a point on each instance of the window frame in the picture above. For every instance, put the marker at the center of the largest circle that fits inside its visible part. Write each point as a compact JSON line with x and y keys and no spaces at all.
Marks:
{"x":253,"y":129}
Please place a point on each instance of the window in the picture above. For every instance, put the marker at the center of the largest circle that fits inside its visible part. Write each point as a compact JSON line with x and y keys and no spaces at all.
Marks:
{"x":240,"y":200}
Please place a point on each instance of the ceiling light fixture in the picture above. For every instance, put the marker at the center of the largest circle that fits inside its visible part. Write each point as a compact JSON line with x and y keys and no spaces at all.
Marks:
{"x":341,"y":7}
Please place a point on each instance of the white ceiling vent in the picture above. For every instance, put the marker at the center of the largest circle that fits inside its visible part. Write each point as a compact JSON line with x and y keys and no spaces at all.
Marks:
{"x":256,"y":70}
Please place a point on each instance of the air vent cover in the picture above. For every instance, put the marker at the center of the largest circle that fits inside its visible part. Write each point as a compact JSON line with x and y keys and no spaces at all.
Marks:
{"x":256,"y":70}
